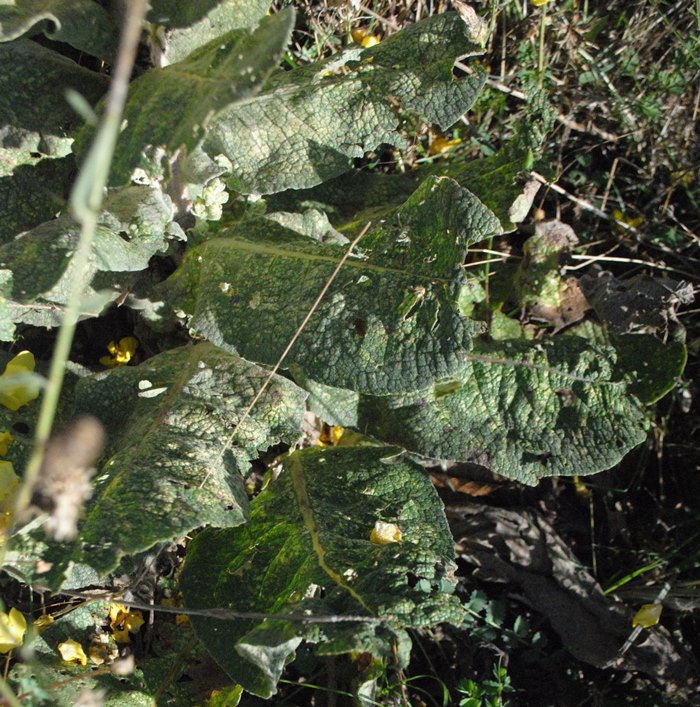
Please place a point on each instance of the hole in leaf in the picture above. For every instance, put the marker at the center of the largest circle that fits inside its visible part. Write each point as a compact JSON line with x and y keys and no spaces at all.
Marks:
{"x":21,"y":428}
{"x":360,"y":327}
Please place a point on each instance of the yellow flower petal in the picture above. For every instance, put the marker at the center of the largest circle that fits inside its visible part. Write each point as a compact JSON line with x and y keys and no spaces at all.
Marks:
{"x":109,"y":361}
{"x":128,"y":346}
{"x":71,"y":651}
{"x":330,"y":436}
{"x":13,"y":626}
{"x":121,"y":353}
{"x":43,"y":622}
{"x":115,"y":612}
{"x":122,"y":622}
{"x":385,"y":533}
{"x":370,"y":41}
{"x":442,"y":144}
{"x":14,"y":397}
{"x":539,"y":3}
{"x":5,"y":440}
{"x":133,"y":622}
{"x":647,"y":616}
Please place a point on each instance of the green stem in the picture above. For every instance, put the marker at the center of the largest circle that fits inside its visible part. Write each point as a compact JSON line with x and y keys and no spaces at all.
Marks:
{"x":86,"y":200}
{"x":540,"y":53}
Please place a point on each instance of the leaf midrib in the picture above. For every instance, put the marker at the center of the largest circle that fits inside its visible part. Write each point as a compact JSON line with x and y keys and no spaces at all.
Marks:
{"x":307,"y":514}
{"x":278,"y":251}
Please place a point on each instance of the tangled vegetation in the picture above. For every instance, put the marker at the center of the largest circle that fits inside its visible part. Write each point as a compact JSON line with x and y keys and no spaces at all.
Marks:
{"x":286,"y":287}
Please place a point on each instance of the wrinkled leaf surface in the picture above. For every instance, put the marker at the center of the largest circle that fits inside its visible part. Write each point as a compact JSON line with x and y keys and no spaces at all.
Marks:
{"x":389,"y":323}
{"x":309,"y":123}
{"x":307,"y":548}
{"x":170,"y":108}
{"x":169,"y":467}
{"x":524,"y":410}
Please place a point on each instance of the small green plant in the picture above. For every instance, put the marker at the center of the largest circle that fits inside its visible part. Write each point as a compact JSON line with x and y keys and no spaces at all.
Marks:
{"x":487,"y":693}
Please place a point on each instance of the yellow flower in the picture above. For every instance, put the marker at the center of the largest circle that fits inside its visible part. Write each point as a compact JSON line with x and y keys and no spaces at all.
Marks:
{"x":647,"y":616}
{"x":123,"y":622}
{"x":13,"y":626}
{"x":330,"y":436}
{"x":363,"y":39}
{"x":370,"y":41}
{"x":385,"y":533}
{"x":43,"y":622}
{"x":5,"y":441}
{"x":13,"y":397}
{"x":120,"y":354}
{"x":442,"y":144}
{"x":71,"y":651}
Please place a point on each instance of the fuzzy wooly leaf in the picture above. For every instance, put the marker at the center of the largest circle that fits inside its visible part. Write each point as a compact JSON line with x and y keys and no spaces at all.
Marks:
{"x":171,"y":108}
{"x":308,"y":124}
{"x":83,"y":24}
{"x":307,"y":549}
{"x":169,"y":467}
{"x":526,"y":411}
{"x":391,"y":320}
{"x":191,"y":29}
{"x":35,"y":118}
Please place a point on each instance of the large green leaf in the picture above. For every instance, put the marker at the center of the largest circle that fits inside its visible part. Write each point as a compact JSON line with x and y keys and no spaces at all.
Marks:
{"x":169,"y":466}
{"x":306,"y":550}
{"x":391,"y":321}
{"x":171,"y":108}
{"x":308,"y":124}
{"x":84,"y":24}
{"x":526,"y":410}
{"x":193,"y":27}
{"x":35,"y":118}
